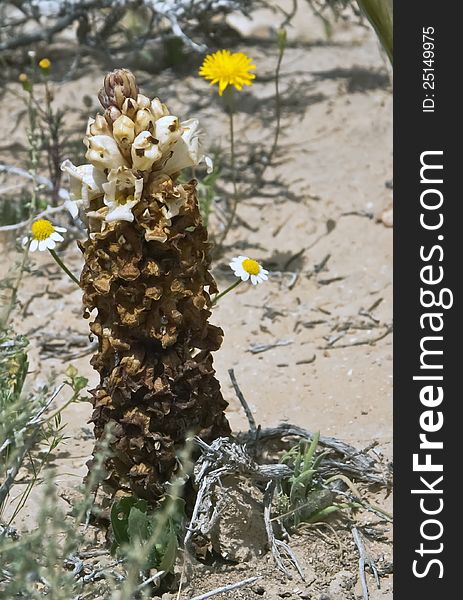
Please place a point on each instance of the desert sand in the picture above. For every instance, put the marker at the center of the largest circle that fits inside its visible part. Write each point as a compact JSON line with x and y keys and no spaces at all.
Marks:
{"x":321,"y":224}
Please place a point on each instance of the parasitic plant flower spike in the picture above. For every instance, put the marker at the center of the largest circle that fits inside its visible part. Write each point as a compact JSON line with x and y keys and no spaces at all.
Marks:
{"x":226,"y":68}
{"x":147,"y":284}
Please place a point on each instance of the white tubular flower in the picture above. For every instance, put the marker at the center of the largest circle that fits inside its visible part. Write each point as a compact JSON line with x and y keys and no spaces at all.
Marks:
{"x":122,"y":192}
{"x":44,"y":236}
{"x":145,"y":151}
{"x":187,"y":152}
{"x":144,"y":121}
{"x":124,"y":131}
{"x":167,"y":132}
{"x":103,"y":152}
{"x":245,"y":268}
{"x":97,"y":126}
{"x":173,"y":202}
{"x":86,"y":184}
{"x":158,"y":109}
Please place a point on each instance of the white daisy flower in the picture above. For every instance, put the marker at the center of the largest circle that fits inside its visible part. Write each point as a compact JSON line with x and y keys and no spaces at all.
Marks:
{"x":44,"y":236}
{"x":245,"y":268}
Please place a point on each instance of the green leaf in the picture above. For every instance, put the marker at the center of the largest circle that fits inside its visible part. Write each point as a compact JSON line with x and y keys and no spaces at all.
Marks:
{"x":322,"y":514}
{"x":170,"y":551}
{"x":308,"y":458}
{"x":80,"y":383}
{"x":138,"y":525}
{"x":120,"y":511}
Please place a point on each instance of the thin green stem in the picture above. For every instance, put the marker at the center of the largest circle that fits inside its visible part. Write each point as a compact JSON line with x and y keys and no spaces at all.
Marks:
{"x":231,"y":109}
{"x":33,"y":157}
{"x":281,"y":51}
{"x":60,"y":263}
{"x":33,"y":152}
{"x":14,"y":291}
{"x":277,"y":105}
{"x":229,"y":289}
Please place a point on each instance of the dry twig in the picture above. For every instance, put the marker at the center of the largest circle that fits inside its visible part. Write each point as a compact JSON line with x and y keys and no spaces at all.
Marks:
{"x":224,"y":457}
{"x":350,"y":461}
{"x":244,"y":404}
{"x":364,"y":561}
{"x":226,"y":588}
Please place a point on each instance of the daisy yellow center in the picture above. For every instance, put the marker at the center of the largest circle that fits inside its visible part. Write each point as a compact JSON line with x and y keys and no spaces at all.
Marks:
{"x":251,"y":266}
{"x":42,"y":229}
{"x":225,"y":68}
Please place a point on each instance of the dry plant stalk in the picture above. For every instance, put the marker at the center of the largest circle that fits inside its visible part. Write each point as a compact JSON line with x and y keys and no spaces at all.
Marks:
{"x":147,"y":275}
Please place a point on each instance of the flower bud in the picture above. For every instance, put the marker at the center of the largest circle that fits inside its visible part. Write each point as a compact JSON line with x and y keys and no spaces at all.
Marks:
{"x":167,"y":132}
{"x":145,"y":151}
{"x":129,"y":108}
{"x":98,"y":126}
{"x":26,"y":82}
{"x":158,"y":109}
{"x":124,"y":131}
{"x":144,"y":121}
{"x":118,"y":86}
{"x":111,"y":114}
{"x":104,"y":153}
{"x":45,"y":65}
{"x":143,"y":101}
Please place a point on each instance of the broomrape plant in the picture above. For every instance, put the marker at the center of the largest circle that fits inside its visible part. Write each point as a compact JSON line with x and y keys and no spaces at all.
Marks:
{"x":147,"y":282}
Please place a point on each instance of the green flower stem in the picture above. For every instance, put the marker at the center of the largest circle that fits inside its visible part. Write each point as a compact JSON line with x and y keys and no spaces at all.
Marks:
{"x":230,"y":100}
{"x":4,"y":319}
{"x":60,"y":263}
{"x":281,"y":51}
{"x":229,"y":289}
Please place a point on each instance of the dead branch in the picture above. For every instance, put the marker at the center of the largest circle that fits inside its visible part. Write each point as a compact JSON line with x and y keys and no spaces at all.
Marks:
{"x":278,"y":548}
{"x":224,"y":457}
{"x":168,"y":18}
{"x":365,"y":560}
{"x":368,"y":342}
{"x":227,"y":588}
{"x":257,"y":348}
{"x":244,"y":404}
{"x":351,"y":461}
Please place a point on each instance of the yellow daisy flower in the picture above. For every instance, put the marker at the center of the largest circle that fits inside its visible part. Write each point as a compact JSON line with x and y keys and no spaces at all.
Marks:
{"x":226,"y":68}
{"x":45,"y":64}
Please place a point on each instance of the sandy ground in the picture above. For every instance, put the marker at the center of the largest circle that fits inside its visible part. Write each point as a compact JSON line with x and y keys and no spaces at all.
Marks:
{"x":320,"y":224}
